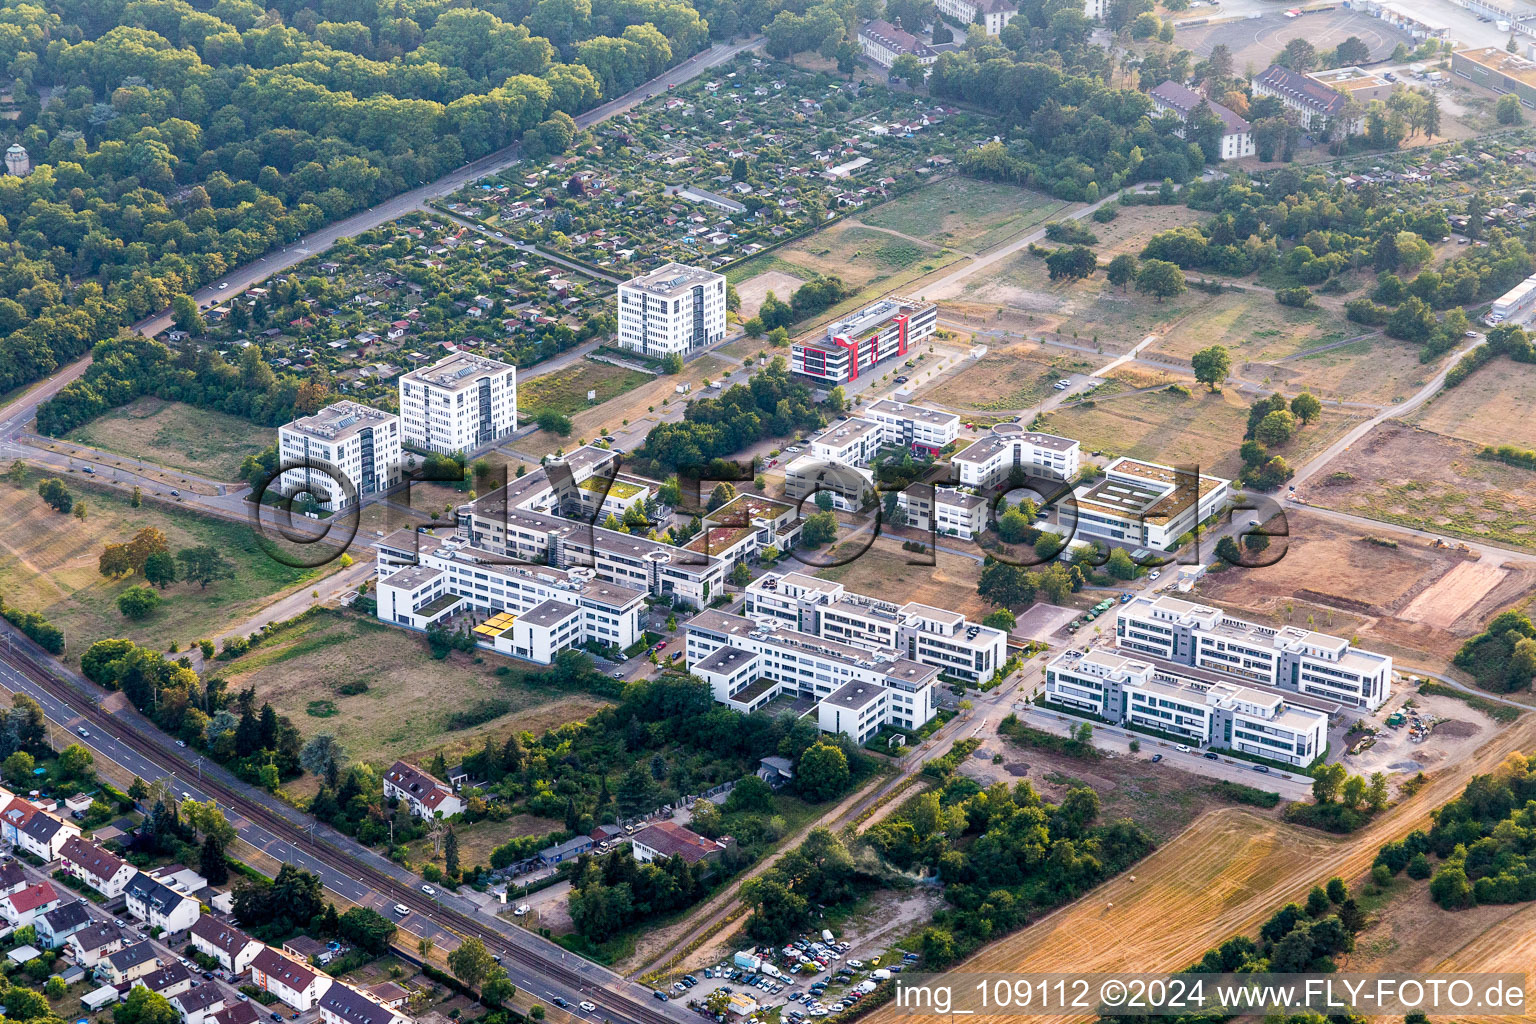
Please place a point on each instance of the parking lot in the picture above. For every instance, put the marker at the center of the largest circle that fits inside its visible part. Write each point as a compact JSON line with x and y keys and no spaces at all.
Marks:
{"x":812,"y":977}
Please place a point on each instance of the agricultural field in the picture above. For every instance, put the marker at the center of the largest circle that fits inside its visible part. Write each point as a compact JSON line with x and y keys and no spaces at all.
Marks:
{"x":719,"y":169}
{"x":1201,"y":428}
{"x":565,"y":390}
{"x":1007,"y":378}
{"x":966,"y":214}
{"x":48,"y":564}
{"x":374,"y":687}
{"x":203,"y":442}
{"x":1422,"y":603}
{"x":1409,"y":476}
{"x":1493,"y":406}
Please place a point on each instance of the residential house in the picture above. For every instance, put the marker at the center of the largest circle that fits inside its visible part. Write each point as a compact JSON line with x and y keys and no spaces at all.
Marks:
{"x":128,"y":964}
{"x":160,"y":906}
{"x":234,"y":1013}
{"x":664,"y":839}
{"x":105,"y":872}
{"x":56,"y":926}
{"x":343,"y":1004}
{"x":93,"y":943}
{"x":426,"y":796}
{"x":231,"y":947}
{"x":12,"y":878}
{"x":170,"y":980}
{"x":197,"y":1002}
{"x":23,"y":908}
{"x":298,"y":985}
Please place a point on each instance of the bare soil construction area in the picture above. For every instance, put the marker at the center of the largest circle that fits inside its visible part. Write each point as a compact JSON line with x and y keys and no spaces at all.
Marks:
{"x":1396,"y":593}
{"x":1413,"y":477}
{"x":754,"y":290}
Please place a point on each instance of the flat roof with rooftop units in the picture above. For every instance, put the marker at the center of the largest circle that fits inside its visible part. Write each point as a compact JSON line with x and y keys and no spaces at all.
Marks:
{"x":459,"y":371}
{"x":935,"y":417}
{"x":673,"y":279}
{"x":339,"y":420}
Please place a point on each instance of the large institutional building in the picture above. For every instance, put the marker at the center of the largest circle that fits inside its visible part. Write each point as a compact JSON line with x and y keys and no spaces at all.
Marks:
{"x":989,"y":461}
{"x":340,"y":454}
{"x":673,"y":309}
{"x":458,"y":404}
{"x":877,"y":332}
{"x":1181,"y":101}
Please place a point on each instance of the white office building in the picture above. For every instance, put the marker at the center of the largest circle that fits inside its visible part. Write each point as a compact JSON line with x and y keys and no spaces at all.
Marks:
{"x":944,"y":510}
{"x":1192,"y":705}
{"x":912,"y":426}
{"x":989,"y":461}
{"x":1144,"y":505}
{"x":458,"y":404}
{"x":675,"y":308}
{"x":340,"y":454}
{"x":1293,"y":659}
{"x":748,"y":665}
{"x":853,"y":442}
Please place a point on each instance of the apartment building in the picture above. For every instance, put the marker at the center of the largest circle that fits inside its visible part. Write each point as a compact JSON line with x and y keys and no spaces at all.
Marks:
{"x":880,"y":331}
{"x":425,"y":794}
{"x":94,"y":943}
{"x":932,"y":637}
{"x":990,"y":461}
{"x":128,"y":964}
{"x":339,"y":455}
{"x":160,"y":906}
{"x":22,"y":908}
{"x":56,"y":926}
{"x":1142,"y":504}
{"x":199,"y":1002}
{"x":991,"y":15}
{"x":1317,"y":104}
{"x":849,"y":486}
{"x":105,"y":872}
{"x":883,"y":42}
{"x":1290,"y":658}
{"x":537,"y":611}
{"x":944,"y":510}
{"x":748,"y":665}
{"x":673,"y":309}
{"x":298,"y":985}
{"x":458,"y":404}
{"x":231,"y":947}
{"x":343,"y":1004}
{"x":1195,"y":706}
{"x":854,"y":442}
{"x":1178,"y":99}
{"x":911,"y":426}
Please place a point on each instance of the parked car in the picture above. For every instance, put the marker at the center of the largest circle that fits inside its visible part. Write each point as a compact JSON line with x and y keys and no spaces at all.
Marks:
{"x":1157,"y":757}
{"x":429,"y":890}
{"x":1211,"y":755}
{"x":1182,"y":748}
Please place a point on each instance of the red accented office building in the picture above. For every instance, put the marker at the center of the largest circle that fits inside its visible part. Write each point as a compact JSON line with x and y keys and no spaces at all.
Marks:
{"x":889,"y":328}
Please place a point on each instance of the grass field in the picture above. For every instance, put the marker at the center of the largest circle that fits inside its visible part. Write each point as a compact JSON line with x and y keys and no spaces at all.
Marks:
{"x":207,"y":443}
{"x":965,"y":213}
{"x":565,"y":391}
{"x":951,"y":583}
{"x":1012,"y":378}
{"x":404,"y":710}
{"x":477,"y":840}
{"x":1493,"y":406}
{"x":1202,"y":429}
{"x":48,"y":565}
{"x":1420,"y":479}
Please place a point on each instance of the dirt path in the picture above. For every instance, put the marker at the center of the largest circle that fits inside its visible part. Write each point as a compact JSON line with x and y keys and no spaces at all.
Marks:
{"x":1222,"y":876}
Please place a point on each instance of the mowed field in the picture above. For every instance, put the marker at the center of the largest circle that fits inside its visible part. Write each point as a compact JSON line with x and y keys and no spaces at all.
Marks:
{"x":865,"y":259}
{"x":1221,"y":877}
{"x":965,"y":213}
{"x":48,"y":564}
{"x":1011,"y":377}
{"x":404,"y":710}
{"x":565,"y":391}
{"x":1493,"y":406}
{"x":1203,"y":428}
{"x":1421,"y":604}
{"x":177,"y":436}
{"x":1413,"y":477}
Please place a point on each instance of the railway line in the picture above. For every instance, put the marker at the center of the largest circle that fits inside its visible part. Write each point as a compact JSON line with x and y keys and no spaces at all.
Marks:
{"x":613,"y":1003}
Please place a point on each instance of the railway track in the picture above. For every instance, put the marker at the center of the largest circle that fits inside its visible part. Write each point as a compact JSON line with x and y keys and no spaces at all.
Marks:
{"x":632,"y":1009}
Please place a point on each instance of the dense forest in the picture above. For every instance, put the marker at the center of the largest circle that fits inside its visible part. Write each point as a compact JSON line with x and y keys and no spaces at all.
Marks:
{"x":171,"y":140}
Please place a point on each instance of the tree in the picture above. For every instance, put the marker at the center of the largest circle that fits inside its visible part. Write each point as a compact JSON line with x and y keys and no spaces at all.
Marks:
{"x":1326,"y":780}
{"x":908,"y":68}
{"x":1120,"y":565}
{"x":186,"y":315}
{"x":1121,"y":270}
{"x":76,"y":761}
{"x":138,"y":602}
{"x":141,"y":1007}
{"x":1211,"y":365}
{"x":554,"y":422}
{"x":1275,"y":428}
{"x":203,"y":565}
{"x":672,"y":363}
{"x":741,"y":575}
{"x":1073,"y":263}
{"x":160,"y":569}
{"x":212,"y":864}
{"x":823,"y":772}
{"x":1306,"y":408}
{"x":1432,"y":115}
{"x":471,"y":963}
{"x":323,"y":756}
{"x":1507,"y":110}
{"x":751,"y":794}
{"x":820,"y":528}
{"x":1298,"y":55}
{"x":53,"y":491}
{"x":1160,"y":278}
{"x":1002,"y":619}
{"x":1351,"y":51}
{"x":722,"y":493}
{"x":113,"y":561}
{"x":451,"y":865}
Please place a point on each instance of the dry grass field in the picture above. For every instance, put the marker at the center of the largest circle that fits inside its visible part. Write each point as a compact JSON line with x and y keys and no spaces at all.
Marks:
{"x":965,"y":213}
{"x":753,"y":291}
{"x":1221,"y":877}
{"x":565,"y":391}
{"x":1493,"y":406}
{"x":1203,"y":428}
{"x":1419,"y":606}
{"x":48,"y":565}
{"x":950,"y":583}
{"x":209,"y":444}
{"x":1007,"y":378}
{"x":1413,"y":477}
{"x":404,"y":710}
